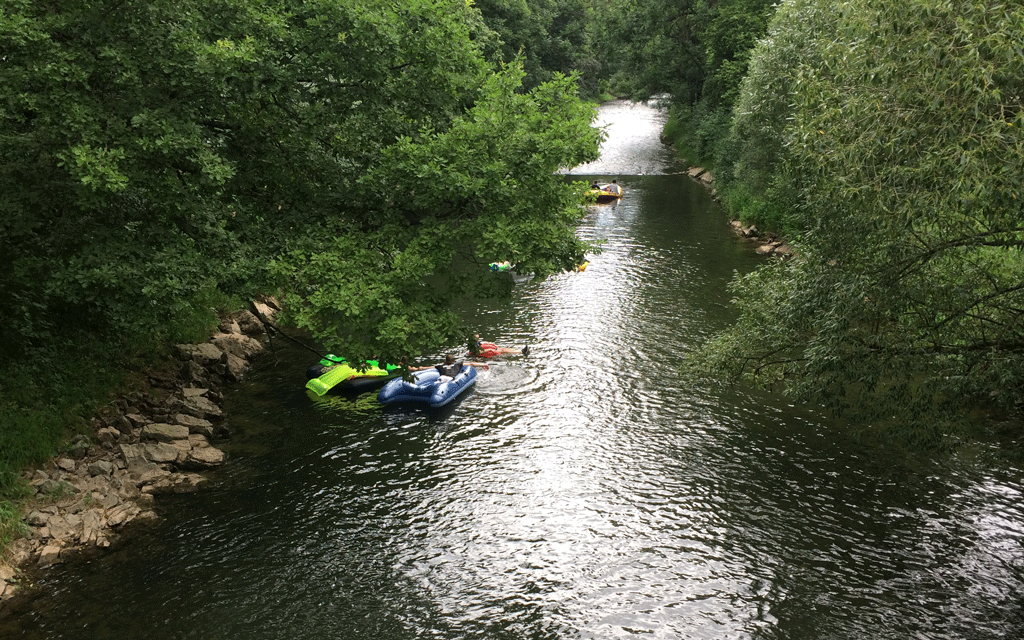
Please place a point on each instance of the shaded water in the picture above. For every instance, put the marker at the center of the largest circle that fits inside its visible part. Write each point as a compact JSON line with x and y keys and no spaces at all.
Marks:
{"x":581,"y":492}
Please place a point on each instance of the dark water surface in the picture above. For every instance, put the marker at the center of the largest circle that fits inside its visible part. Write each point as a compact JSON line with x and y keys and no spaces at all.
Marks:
{"x":581,"y":492}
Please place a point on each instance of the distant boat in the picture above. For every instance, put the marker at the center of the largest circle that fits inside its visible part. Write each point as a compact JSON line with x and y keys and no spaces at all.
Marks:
{"x":605,"y":193}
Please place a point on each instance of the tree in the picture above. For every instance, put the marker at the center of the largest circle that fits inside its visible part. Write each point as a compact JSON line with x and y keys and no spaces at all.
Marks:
{"x":906,"y":301}
{"x":548,"y":36}
{"x":159,"y":159}
{"x":439,"y":207}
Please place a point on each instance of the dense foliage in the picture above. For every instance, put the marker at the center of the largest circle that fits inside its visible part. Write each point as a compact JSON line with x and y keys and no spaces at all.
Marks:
{"x":161,"y":158}
{"x":550,"y":36}
{"x":695,"y":52}
{"x":898,"y":128}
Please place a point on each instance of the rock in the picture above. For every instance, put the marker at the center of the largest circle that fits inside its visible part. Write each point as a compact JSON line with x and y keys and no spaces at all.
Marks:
{"x":49,"y":554}
{"x":249,"y":323}
{"x":64,"y":528}
{"x":203,"y":458}
{"x":140,"y":439}
{"x":38,"y":518}
{"x":122,"y":514}
{"x":265,"y":310}
{"x":110,"y":501}
{"x":133,"y":455}
{"x":205,"y":354}
{"x":162,"y":432}
{"x":237,"y":344}
{"x":135,"y":421}
{"x":108,"y":436}
{"x":48,"y":487}
{"x":229,"y":325}
{"x":201,"y":407}
{"x":235,"y":367}
{"x":194,"y":424}
{"x":160,"y":452}
{"x":177,"y":483}
{"x":79,"y":447}
{"x":101,"y":468}
{"x":92,"y":527}
{"x":195,"y":372}
{"x":147,"y":473}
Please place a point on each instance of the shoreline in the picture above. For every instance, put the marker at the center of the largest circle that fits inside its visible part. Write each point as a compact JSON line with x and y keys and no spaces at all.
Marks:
{"x":158,"y":440}
{"x":766,"y":244}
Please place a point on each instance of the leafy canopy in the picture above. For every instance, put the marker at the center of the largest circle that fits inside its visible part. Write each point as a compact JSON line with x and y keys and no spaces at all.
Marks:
{"x":902,"y":125}
{"x":158,"y":156}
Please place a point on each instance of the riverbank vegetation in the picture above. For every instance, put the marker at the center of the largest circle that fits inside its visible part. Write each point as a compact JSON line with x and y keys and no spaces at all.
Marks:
{"x":162,"y":161}
{"x":884,"y":138}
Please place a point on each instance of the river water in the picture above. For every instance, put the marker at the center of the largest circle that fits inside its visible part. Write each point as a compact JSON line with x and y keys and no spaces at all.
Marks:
{"x":583,"y":491}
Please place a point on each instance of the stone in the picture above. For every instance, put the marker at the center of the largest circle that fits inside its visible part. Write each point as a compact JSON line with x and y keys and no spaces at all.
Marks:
{"x":148,"y":473}
{"x":177,"y":483}
{"x":133,"y":455}
{"x":78,"y":447}
{"x":205,"y":354}
{"x":195,"y":372}
{"x":136,"y":421}
{"x":264,"y":310}
{"x":159,"y":452}
{"x":63,"y":528}
{"x":50,"y":554}
{"x":249,"y":323}
{"x":194,"y":424}
{"x":122,"y":514}
{"x":235,"y":367}
{"x":37,"y":518}
{"x":67,"y":464}
{"x":108,"y":436}
{"x":237,"y":344}
{"x":101,"y":468}
{"x":92,"y":527}
{"x":203,"y":458}
{"x":201,"y":407}
{"x":163,"y":432}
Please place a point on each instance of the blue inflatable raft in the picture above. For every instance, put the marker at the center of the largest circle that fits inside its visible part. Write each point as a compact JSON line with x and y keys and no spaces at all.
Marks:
{"x":428,"y":388}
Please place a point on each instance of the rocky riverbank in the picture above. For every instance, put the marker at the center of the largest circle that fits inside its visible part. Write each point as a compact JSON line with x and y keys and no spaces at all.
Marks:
{"x":766,"y":243}
{"x":159,"y":439}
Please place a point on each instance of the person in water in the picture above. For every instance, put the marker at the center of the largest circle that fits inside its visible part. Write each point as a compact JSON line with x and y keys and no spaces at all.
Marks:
{"x":450,"y":367}
{"x":478,"y":347}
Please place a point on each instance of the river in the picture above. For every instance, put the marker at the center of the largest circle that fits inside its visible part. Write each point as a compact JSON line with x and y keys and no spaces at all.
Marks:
{"x":583,"y":491}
